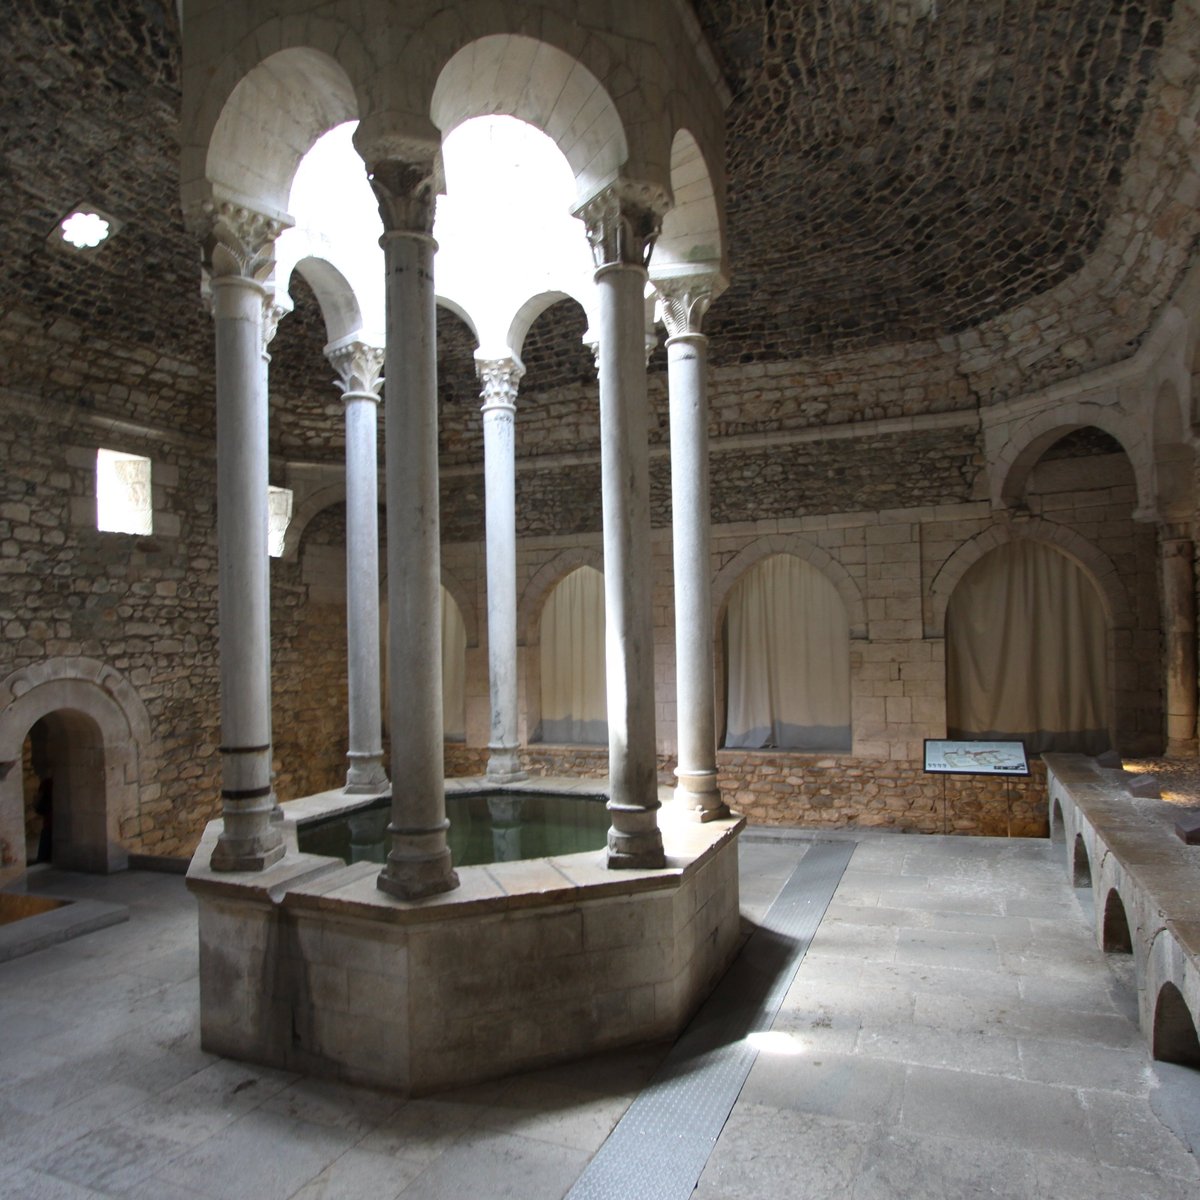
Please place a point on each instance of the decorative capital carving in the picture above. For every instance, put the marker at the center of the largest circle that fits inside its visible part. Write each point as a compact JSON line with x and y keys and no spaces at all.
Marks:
{"x":359,"y":367}
{"x":500,"y":378}
{"x":683,"y":302}
{"x":273,"y":313}
{"x":237,"y":241}
{"x":407,"y":193}
{"x":623,"y":222}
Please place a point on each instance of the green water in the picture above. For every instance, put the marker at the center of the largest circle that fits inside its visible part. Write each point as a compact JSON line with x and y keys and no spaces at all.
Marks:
{"x":485,"y":828}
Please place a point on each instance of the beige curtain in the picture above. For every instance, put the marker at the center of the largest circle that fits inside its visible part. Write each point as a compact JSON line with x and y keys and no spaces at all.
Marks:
{"x":1026,"y":648}
{"x":454,"y":670}
{"x":574,"y":707}
{"x":788,"y":655}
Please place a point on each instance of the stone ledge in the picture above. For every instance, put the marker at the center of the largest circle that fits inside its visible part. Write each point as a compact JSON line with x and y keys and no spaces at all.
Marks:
{"x":1130,"y":850}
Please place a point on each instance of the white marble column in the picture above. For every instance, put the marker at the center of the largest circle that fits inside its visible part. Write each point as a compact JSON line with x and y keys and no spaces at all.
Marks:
{"x":622,"y":223}
{"x":238,"y":260}
{"x":500,"y":379}
{"x":273,"y":313}
{"x":1179,"y":638}
{"x":684,"y":301}
{"x":358,"y":367}
{"x":418,"y":862}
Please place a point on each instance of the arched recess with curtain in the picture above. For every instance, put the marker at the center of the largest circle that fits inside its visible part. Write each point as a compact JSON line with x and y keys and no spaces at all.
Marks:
{"x":787,"y":650}
{"x":454,"y":670}
{"x":1027,"y":652}
{"x":573,"y":699}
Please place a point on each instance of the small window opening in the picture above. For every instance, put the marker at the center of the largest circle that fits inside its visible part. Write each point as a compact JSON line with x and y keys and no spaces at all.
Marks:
{"x":279,"y":517}
{"x":123,"y":493}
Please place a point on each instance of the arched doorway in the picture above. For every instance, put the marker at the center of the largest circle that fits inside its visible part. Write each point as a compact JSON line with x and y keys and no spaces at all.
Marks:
{"x":86,"y":731}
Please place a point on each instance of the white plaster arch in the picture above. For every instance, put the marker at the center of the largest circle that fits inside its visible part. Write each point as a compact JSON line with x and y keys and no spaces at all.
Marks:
{"x":1028,"y":441}
{"x":542,"y":583}
{"x":533,"y":308}
{"x":339,"y":306}
{"x":453,"y":306}
{"x":262,"y":124}
{"x":1098,"y":566}
{"x":691,"y":229}
{"x":788,"y":543}
{"x":544,"y":85}
{"x":103,"y":735}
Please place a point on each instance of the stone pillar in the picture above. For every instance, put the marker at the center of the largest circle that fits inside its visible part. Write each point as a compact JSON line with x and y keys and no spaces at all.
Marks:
{"x":684,"y":302}
{"x":418,"y":862}
{"x":358,"y":367}
{"x":622,"y":223}
{"x":500,"y":378}
{"x":238,"y":259}
{"x":1179,"y":638}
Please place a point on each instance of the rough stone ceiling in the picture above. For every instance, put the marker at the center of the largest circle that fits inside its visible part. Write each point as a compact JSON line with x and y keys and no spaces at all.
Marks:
{"x":900,"y":169}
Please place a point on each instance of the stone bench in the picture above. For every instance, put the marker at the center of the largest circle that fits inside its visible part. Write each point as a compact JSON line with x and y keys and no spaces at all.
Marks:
{"x":1146,"y":886}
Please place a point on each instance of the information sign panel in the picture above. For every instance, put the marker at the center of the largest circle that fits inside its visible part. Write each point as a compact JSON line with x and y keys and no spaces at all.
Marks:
{"x":975,"y":758}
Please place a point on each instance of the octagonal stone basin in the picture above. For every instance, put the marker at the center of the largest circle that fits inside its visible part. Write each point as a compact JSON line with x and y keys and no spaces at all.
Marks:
{"x":308,"y":966}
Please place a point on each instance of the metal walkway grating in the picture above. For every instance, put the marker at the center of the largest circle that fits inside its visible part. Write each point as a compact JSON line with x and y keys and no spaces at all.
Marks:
{"x":658,"y":1149}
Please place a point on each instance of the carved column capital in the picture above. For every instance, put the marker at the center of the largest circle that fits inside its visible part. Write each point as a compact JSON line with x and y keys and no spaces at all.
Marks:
{"x":683,"y":302}
{"x":407,"y":192}
{"x":500,"y":378}
{"x":237,"y":242}
{"x":359,"y":368}
{"x":273,"y":313}
{"x":623,"y":222}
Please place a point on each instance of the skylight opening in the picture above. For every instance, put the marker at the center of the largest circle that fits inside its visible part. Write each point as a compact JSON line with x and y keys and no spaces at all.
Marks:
{"x":84,"y":230}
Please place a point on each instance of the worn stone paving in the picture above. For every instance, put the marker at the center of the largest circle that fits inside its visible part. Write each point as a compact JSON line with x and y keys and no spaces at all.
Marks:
{"x":953,"y":1032}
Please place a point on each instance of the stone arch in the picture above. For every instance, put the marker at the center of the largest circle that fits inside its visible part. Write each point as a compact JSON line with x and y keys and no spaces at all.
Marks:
{"x":544,"y":85}
{"x":339,"y":305}
{"x":1115,"y":935}
{"x":101,"y":734}
{"x":1057,"y":829}
{"x":1174,"y":458}
{"x":467,"y":608}
{"x":691,"y":228}
{"x":798,"y":547}
{"x":540,"y":585}
{"x":1174,"y":1036}
{"x":533,"y":308}
{"x":251,"y":128}
{"x":306,"y":508}
{"x":1029,"y":441}
{"x":1081,"y":867}
{"x":1096,"y":563}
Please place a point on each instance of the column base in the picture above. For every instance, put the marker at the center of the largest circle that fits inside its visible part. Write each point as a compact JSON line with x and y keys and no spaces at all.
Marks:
{"x":504,"y":766}
{"x":251,"y":839}
{"x":698,"y":797}
{"x":414,"y":879}
{"x":248,"y":854}
{"x":1181,"y":748}
{"x":634,"y":839}
{"x":418,"y":864}
{"x":366,"y":775}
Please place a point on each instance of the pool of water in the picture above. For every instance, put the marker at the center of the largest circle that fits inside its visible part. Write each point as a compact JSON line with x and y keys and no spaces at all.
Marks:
{"x":484,"y":828}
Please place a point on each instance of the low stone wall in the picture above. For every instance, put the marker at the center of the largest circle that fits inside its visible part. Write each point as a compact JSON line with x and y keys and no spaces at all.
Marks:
{"x":770,"y":788}
{"x":824,"y":791}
